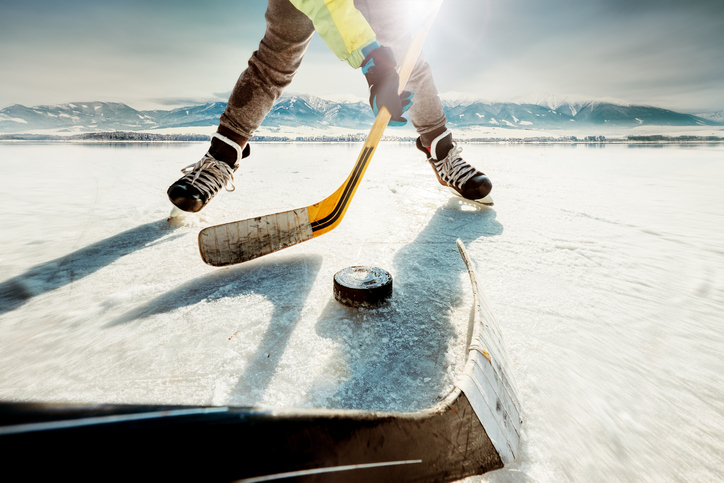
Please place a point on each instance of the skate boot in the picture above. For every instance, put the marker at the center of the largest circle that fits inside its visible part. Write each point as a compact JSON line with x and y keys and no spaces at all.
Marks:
{"x":202,"y":180}
{"x":452,"y":171}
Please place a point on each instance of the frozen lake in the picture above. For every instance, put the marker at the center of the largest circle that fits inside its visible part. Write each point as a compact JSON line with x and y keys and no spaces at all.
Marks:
{"x":604,"y":265}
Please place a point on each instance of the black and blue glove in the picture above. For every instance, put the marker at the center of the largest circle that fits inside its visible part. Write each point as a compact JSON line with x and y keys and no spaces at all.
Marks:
{"x":379,"y":69}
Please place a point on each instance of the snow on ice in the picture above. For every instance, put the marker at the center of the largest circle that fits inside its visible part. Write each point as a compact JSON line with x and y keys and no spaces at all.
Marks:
{"x":603,"y":264}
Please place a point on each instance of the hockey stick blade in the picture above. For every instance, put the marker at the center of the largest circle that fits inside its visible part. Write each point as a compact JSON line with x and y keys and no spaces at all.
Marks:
{"x":244,"y":240}
{"x":240,"y":241}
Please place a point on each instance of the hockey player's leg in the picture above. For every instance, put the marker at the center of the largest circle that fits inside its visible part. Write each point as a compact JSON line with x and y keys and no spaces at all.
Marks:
{"x":451,"y":169}
{"x":390,"y":22}
{"x":270,"y":70}
{"x":202,"y":180}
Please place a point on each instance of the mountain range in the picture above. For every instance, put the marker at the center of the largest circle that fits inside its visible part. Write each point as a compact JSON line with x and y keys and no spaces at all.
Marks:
{"x":310,"y":111}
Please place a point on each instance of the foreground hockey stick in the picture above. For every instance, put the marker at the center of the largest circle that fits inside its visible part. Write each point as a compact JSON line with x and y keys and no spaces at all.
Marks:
{"x":244,"y":240}
{"x":474,"y":429}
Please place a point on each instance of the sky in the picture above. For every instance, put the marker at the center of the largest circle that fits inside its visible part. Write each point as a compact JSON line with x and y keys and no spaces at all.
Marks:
{"x":164,"y":54}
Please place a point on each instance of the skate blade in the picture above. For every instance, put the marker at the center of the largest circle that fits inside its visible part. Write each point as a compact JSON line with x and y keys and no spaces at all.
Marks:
{"x":487,"y":201}
{"x":175,"y":213}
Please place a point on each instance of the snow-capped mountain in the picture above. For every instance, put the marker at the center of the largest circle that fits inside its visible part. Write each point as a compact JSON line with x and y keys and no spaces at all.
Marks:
{"x":203,"y":115}
{"x":462,"y":111}
{"x":713,"y":116}
{"x":546,"y":111}
{"x":306,"y":110}
{"x":86,"y":115}
{"x":595,"y":113}
{"x":572,"y":102}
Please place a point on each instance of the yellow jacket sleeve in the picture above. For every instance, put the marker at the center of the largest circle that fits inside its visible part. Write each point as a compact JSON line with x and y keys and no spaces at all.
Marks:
{"x":342,"y":27}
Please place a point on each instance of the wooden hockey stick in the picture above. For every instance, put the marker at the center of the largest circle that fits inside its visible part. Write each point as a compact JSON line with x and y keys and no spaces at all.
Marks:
{"x":240,"y":241}
{"x":476,"y":428}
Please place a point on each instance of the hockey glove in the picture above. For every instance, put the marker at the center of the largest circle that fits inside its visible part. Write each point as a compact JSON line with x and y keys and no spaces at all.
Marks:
{"x":379,"y":69}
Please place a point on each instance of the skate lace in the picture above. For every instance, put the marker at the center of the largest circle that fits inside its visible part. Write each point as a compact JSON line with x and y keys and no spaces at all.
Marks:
{"x":209,"y":175}
{"x":453,"y":169}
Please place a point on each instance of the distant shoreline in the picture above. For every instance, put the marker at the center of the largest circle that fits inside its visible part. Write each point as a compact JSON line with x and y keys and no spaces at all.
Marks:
{"x":136,"y":137}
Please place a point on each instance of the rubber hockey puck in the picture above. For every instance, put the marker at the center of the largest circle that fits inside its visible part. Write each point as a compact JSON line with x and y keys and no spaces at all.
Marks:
{"x":362,"y":286}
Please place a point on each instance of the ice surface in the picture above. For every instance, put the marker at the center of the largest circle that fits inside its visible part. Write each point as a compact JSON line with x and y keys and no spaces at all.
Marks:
{"x":603,"y":264}
{"x":120,"y":308}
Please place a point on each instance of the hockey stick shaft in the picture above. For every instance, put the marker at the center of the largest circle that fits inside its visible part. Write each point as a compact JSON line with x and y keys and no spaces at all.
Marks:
{"x":244,"y":240}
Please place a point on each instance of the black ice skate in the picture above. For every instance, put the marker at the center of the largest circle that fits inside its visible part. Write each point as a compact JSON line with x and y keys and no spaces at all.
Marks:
{"x":452,"y":170}
{"x":204,"y":179}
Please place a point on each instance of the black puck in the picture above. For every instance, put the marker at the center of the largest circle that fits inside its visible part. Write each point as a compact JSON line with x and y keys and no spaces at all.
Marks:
{"x":362,"y":286}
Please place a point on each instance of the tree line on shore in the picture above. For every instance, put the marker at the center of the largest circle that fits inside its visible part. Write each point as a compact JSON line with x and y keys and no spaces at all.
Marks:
{"x":116,"y":136}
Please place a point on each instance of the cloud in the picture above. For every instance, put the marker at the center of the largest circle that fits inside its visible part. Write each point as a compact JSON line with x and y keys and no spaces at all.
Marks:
{"x":670,"y":51}
{"x":664,"y":52}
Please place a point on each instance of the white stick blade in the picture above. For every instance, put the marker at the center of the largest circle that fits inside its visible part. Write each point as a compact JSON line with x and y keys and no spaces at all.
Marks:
{"x":487,"y":381}
{"x":244,"y":240}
